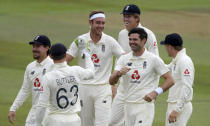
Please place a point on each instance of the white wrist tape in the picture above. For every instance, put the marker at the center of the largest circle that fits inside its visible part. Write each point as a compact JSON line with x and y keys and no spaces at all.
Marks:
{"x":159,"y":90}
{"x":97,"y":16}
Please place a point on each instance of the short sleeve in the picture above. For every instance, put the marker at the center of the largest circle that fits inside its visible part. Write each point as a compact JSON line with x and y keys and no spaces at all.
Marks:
{"x":73,"y":49}
{"x":152,"y":45}
{"x":187,"y":73}
{"x":120,"y":64}
{"x":160,"y":66}
{"x":116,"y":48}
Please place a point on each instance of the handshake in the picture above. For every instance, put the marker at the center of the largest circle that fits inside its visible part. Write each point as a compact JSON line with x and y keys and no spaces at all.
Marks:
{"x":83,"y":47}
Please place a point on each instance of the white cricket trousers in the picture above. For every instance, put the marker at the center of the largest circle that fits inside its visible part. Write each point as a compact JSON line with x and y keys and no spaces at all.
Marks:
{"x":62,"y":119}
{"x":31,"y":118}
{"x":118,"y":110}
{"x":183,"y":117}
{"x":139,"y":114}
{"x":95,"y":104}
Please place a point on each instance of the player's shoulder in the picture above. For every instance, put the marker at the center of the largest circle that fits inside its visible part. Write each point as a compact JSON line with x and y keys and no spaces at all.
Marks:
{"x":123,"y":32}
{"x":31,"y":64}
{"x":84,"y":36}
{"x":126,"y":56}
{"x":185,"y":59}
{"x":108,"y":38}
{"x":147,"y":30}
{"x":152,"y":56}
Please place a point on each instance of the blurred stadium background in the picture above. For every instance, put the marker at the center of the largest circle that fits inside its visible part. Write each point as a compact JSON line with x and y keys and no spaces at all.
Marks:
{"x":63,"y":20}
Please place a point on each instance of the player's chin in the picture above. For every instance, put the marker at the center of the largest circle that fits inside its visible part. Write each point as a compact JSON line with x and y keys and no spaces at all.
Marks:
{"x":36,"y":56}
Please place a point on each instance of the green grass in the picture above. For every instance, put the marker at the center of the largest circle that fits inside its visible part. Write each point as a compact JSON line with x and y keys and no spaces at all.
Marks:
{"x":63,"y":20}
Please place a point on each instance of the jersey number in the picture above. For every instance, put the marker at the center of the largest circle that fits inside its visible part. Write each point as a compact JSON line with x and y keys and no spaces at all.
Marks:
{"x":64,"y":97}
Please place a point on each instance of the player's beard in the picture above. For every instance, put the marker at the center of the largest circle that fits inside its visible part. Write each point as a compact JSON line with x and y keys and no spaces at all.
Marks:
{"x":135,"y":47}
{"x":36,"y":55}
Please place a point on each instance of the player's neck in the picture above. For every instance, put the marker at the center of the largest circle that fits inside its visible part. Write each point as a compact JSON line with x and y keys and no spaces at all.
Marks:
{"x":95,"y":37}
{"x":59,"y":61}
{"x":139,"y":53}
{"x":131,"y":27}
{"x":41,"y":58}
{"x":175,"y":54}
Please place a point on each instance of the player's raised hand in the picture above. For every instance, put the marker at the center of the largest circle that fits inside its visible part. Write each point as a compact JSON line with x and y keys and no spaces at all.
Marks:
{"x":11,"y":117}
{"x":151,"y":96}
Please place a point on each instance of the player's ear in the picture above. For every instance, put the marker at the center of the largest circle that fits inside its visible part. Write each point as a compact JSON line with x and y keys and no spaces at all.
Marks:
{"x":90,"y":22}
{"x":144,"y":40}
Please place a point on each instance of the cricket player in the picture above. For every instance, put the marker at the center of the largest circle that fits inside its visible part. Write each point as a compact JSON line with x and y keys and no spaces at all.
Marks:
{"x":60,"y":90}
{"x":131,"y":17}
{"x":96,"y":93}
{"x":182,"y":70}
{"x":139,"y":70}
{"x":33,"y":74}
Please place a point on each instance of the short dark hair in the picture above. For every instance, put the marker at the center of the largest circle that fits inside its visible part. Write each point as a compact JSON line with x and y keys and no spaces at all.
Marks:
{"x":58,"y":51}
{"x":142,"y":33}
{"x":95,"y":12}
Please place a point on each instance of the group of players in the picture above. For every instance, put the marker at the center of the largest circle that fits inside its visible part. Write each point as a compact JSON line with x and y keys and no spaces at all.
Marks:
{"x":60,"y":92}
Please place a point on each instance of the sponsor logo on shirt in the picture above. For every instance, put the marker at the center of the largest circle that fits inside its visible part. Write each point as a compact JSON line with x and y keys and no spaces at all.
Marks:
{"x":186,"y":72}
{"x":135,"y":77}
{"x":95,"y":60}
{"x":37,"y":85}
{"x":155,"y":44}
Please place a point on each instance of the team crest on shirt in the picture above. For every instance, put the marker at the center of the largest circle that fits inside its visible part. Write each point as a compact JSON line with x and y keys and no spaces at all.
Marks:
{"x":44,"y":71}
{"x":186,"y":72}
{"x":103,"y":48}
{"x":135,"y":77}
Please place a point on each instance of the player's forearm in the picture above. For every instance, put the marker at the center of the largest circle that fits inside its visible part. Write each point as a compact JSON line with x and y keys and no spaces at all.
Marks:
{"x":114,"y":78}
{"x":169,"y":82}
{"x":21,"y":97}
{"x":69,"y":58}
{"x":186,"y":92}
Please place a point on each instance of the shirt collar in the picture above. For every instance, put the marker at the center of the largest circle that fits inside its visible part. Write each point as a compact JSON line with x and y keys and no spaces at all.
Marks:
{"x":179,"y":54}
{"x":102,"y":40}
{"x":45,"y":61}
{"x":143,"y":56}
{"x":139,"y":26}
{"x":59,"y":65}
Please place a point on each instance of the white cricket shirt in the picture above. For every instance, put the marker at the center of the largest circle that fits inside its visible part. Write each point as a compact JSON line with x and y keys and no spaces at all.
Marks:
{"x":60,"y":91}
{"x":151,"y":44}
{"x":182,"y":70}
{"x":143,"y":76}
{"x":101,"y":54}
{"x":31,"y":83}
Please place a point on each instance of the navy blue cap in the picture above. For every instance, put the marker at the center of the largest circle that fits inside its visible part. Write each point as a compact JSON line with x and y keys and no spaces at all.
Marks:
{"x":173,"y":39}
{"x":42,"y":40}
{"x":58,"y":50}
{"x":131,"y":9}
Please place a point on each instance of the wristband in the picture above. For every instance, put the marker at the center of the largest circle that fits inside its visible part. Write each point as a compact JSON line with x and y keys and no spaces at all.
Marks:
{"x":159,"y":90}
